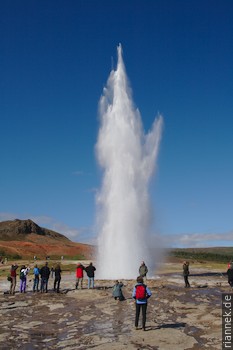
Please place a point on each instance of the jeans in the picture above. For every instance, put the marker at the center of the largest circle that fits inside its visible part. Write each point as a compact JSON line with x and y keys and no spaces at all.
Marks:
{"x":138,"y":308}
{"x":90,"y":282}
{"x":36,"y":283}
{"x":44,"y":284}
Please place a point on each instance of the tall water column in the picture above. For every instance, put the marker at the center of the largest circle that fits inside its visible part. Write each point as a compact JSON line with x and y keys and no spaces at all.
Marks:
{"x":127,"y":157}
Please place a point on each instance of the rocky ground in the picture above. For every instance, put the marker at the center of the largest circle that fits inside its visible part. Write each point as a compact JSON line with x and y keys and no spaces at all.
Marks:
{"x":177,"y":318}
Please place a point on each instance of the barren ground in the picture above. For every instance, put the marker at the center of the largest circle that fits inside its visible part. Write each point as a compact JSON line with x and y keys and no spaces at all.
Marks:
{"x":177,"y":318}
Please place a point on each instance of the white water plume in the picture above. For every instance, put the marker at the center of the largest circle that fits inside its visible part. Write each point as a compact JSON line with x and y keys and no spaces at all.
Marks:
{"x":128,"y":157}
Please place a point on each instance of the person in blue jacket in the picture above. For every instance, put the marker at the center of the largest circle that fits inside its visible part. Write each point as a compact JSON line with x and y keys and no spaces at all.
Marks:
{"x":36,"y":272}
{"x":141,"y":293}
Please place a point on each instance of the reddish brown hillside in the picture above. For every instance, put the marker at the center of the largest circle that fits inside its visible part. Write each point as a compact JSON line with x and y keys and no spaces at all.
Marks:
{"x":26,"y":239}
{"x":16,"y":230}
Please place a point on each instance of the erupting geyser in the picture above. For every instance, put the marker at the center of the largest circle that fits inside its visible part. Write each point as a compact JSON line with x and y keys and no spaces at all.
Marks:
{"x":127,"y":156}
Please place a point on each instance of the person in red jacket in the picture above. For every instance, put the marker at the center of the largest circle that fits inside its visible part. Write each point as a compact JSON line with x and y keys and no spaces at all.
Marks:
{"x":79,"y":275}
{"x":13,"y":278}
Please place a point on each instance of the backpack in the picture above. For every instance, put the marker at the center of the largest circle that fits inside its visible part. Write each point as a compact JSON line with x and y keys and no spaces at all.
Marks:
{"x":21,"y":275}
{"x":140,"y":291}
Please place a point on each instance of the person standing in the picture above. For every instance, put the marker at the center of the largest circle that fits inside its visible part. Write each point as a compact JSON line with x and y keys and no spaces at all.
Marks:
{"x":79,"y":275}
{"x":143,"y":270}
{"x":23,"y":278}
{"x":36,"y":273}
{"x":44,"y":273}
{"x":52,"y":271}
{"x":141,"y":293}
{"x":90,"y":270}
{"x":186,"y":273}
{"x":57,"y":279}
{"x":13,"y":275}
{"x":230,"y":275}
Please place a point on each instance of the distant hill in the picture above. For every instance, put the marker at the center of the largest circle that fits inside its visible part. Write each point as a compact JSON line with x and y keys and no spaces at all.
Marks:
{"x":25,"y":239}
{"x":22,"y":229}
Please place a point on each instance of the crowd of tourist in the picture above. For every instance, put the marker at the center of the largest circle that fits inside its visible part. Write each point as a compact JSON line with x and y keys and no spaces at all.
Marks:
{"x":42,"y":274}
{"x":141,"y":293}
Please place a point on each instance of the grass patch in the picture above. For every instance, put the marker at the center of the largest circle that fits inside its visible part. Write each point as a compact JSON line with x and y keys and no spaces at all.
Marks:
{"x":203,"y":256}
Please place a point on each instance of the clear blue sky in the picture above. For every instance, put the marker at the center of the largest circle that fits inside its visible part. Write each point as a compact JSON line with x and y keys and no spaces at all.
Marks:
{"x":55,"y":58}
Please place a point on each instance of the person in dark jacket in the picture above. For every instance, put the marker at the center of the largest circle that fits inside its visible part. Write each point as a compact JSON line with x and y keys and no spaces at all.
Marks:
{"x":143,"y":270}
{"x":57,"y":280}
{"x":186,"y":273}
{"x":44,"y":273}
{"x":90,"y":270}
{"x":141,"y":303}
{"x":230,"y":275}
